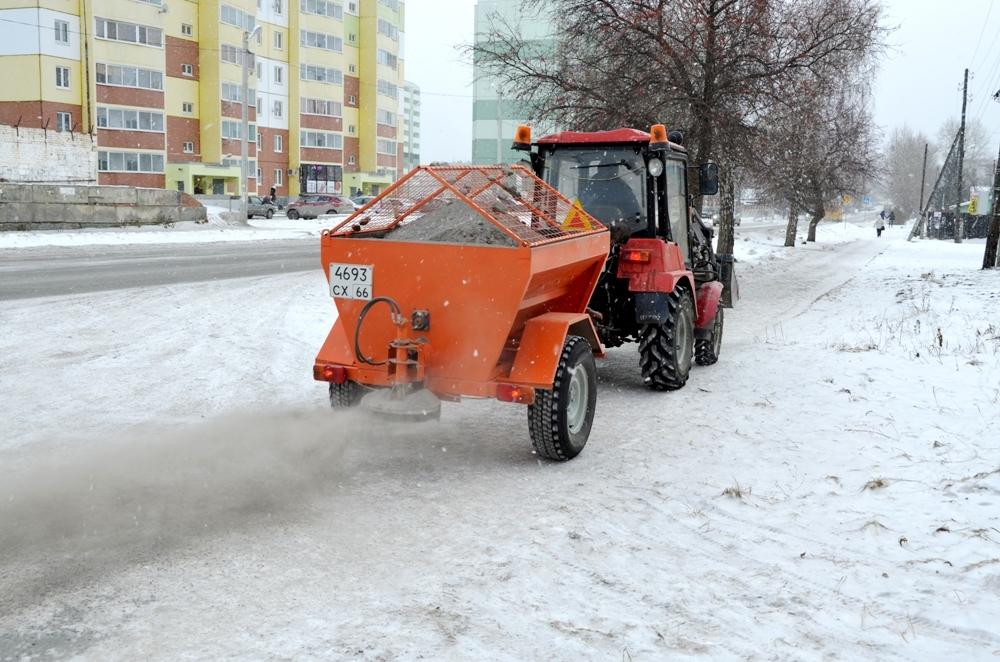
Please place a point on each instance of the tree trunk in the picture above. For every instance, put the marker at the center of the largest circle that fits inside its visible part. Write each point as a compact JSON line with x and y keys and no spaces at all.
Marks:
{"x":793,"y":226}
{"x":813,"y":222}
{"x":993,"y":234}
{"x":727,"y":204}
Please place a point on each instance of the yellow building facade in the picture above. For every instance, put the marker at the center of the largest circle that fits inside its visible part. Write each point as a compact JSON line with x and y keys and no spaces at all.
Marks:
{"x":159,"y":86}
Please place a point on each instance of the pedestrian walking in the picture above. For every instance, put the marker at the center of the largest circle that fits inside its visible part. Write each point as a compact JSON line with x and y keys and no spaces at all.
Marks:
{"x":879,"y":226}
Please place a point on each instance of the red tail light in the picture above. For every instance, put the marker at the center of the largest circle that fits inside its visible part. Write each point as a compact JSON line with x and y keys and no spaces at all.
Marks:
{"x":330,"y":373}
{"x":636,"y":255}
{"x":524,"y":395}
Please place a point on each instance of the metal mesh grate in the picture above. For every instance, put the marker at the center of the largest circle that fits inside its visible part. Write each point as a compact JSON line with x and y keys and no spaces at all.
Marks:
{"x":510,"y":197}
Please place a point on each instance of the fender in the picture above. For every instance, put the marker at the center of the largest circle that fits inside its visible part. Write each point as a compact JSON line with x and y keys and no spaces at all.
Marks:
{"x":541,"y":346}
{"x":709,"y":296}
{"x":653,"y":268}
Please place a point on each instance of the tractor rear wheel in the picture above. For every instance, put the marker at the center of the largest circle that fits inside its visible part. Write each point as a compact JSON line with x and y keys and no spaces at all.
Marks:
{"x":706,"y":350}
{"x":559,"y":421}
{"x":345,"y":395}
{"x":666,"y":350}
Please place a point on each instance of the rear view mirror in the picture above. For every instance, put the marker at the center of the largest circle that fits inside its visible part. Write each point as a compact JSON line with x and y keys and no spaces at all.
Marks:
{"x":708,"y":178}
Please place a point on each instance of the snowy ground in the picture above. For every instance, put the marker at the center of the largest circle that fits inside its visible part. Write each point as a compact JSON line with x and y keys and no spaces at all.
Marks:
{"x":830,"y":490}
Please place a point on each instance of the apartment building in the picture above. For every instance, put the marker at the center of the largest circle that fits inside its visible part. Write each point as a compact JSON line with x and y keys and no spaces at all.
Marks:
{"x":496,"y":114}
{"x":158,"y":83}
{"x":410,"y":109}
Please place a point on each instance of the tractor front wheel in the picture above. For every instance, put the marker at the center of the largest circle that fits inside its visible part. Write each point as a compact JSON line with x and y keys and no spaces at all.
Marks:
{"x":345,"y":395}
{"x":706,"y":350}
{"x":666,"y":350}
{"x":559,"y":421}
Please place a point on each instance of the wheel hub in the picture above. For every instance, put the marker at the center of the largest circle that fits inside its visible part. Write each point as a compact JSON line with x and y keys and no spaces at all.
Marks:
{"x":579,"y":396}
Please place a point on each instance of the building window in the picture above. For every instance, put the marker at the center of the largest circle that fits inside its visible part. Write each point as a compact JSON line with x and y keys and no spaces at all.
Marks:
{"x":260,"y":105}
{"x":350,"y":128}
{"x":385,"y":146}
{"x":62,"y":77}
{"x":187,"y":69}
{"x":323,"y":8}
{"x":258,"y":175}
{"x":322,"y":139}
{"x":279,"y":74}
{"x":236,"y":17}
{"x":279,"y":7}
{"x":131,"y":33}
{"x":320,"y":107}
{"x":278,"y":109}
{"x":279,"y":143}
{"x":327,"y":42}
{"x":386,"y":58}
{"x":231,"y":130}
{"x":125,"y":76}
{"x":129,"y":162}
{"x":351,"y":160}
{"x":352,"y":7}
{"x":278,"y":40}
{"x":260,"y":141}
{"x":352,"y":100}
{"x":187,"y":107}
{"x":126,"y":118}
{"x":385,"y":117}
{"x":187,"y":29}
{"x":64,"y":122}
{"x":233,"y":92}
{"x":388,"y":29}
{"x":352,"y":69}
{"x":235,"y":55}
{"x":386,"y":88}
{"x":352,"y":38}
{"x":62,"y":32}
{"x":189,"y":147}
{"x":279,"y":176}
{"x":321,"y":74}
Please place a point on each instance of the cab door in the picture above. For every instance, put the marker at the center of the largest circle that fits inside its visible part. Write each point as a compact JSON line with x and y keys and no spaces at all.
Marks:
{"x":675,"y":173}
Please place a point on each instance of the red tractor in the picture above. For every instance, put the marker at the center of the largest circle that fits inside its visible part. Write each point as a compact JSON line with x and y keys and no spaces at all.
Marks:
{"x":662,"y":283}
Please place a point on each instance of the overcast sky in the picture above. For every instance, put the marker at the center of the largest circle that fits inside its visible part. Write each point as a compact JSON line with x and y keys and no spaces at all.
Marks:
{"x":919,"y":83}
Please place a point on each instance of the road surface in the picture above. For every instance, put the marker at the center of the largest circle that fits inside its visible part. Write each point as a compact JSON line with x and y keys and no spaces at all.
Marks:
{"x":41,"y":272}
{"x":201,"y":502}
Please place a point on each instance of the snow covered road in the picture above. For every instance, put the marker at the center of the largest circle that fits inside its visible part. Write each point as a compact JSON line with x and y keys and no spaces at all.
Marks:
{"x":829,"y":490}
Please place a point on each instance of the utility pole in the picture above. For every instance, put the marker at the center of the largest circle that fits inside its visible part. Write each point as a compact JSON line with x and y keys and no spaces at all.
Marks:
{"x":920,"y":208}
{"x":245,"y":129}
{"x":959,"y":224}
{"x":499,"y":126}
{"x":993,"y":235}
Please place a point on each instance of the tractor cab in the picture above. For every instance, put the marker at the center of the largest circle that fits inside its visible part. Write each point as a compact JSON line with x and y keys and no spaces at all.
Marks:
{"x":662,"y":268}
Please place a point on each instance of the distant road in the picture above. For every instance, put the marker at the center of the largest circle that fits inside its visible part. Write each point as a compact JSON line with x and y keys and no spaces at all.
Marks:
{"x":50,"y":271}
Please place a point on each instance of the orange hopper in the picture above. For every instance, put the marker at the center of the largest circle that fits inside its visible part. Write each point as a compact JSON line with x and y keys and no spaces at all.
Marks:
{"x":489,"y":271}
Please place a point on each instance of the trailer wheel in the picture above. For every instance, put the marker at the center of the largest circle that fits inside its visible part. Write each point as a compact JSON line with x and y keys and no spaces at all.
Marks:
{"x":345,"y":395}
{"x":559,"y":421}
{"x":706,"y":350}
{"x":666,"y":350}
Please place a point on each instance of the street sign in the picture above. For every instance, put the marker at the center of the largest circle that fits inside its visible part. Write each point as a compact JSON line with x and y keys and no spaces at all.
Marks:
{"x":867,"y":200}
{"x":973,"y":205}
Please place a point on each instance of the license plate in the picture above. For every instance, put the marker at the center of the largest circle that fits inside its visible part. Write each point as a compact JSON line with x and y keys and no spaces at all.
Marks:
{"x":351,"y":281}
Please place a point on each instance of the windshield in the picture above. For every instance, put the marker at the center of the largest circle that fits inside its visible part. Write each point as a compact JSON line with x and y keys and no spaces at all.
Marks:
{"x":609,"y":183}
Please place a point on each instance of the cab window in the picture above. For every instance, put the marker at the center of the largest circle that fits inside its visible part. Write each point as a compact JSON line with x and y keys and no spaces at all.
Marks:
{"x":677,"y":202}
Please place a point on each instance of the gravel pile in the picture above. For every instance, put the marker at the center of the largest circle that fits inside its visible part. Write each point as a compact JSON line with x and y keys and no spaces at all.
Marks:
{"x":453,"y":223}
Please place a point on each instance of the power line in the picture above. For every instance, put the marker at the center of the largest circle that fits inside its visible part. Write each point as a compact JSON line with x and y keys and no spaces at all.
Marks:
{"x":981,"y":32}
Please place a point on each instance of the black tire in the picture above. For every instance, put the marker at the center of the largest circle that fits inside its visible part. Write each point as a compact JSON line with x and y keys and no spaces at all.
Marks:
{"x":706,"y":350}
{"x":293,"y":214}
{"x":666,"y":351}
{"x":269,"y":214}
{"x":345,"y":395}
{"x":558,"y":426}
{"x":332,"y":212}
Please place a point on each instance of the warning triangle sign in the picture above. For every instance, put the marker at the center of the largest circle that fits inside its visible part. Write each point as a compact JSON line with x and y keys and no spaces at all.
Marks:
{"x":576,"y":220}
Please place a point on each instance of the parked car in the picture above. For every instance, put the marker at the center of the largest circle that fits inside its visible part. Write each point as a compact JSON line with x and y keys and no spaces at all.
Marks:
{"x":257,"y":206}
{"x":362,"y":200}
{"x":312,"y":205}
{"x":716,"y":219}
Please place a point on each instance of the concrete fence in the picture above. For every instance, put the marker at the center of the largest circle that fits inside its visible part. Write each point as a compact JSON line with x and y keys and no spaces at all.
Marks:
{"x":54,"y":207}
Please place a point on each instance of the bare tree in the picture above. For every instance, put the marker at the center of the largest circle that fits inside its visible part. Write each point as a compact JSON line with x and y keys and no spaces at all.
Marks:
{"x":904,"y":164}
{"x":710,"y":67}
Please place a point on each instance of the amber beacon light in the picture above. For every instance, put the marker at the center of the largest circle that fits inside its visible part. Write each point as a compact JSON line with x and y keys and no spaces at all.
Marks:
{"x":522,"y":137}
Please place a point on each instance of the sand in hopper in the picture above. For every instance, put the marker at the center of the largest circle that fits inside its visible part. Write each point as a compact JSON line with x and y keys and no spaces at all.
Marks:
{"x":453,"y":223}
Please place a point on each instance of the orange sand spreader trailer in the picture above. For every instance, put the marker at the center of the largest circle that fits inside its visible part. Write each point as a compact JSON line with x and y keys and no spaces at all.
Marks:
{"x":427,"y":320}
